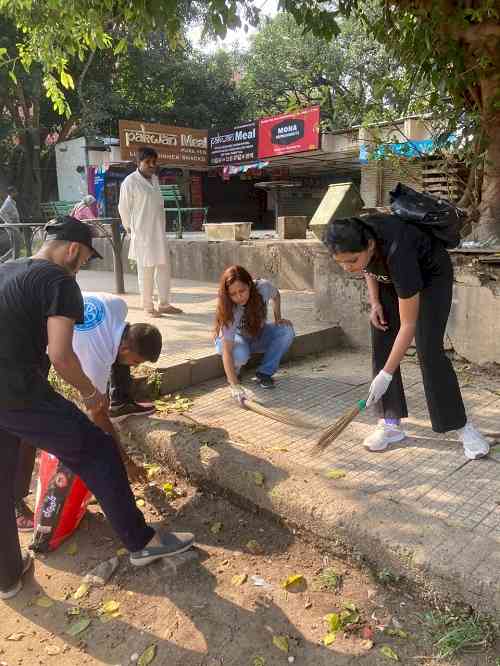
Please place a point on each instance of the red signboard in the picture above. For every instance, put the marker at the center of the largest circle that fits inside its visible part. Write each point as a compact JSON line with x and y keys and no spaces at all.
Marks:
{"x":289,"y":133}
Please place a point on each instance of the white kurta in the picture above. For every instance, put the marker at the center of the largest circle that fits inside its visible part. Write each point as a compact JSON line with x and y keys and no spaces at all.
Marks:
{"x":142,"y":214}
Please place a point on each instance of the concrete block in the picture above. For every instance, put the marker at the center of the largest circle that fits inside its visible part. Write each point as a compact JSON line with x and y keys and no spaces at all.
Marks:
{"x":291,"y":227}
{"x":175,"y":377}
{"x":340,"y":200}
{"x":234,"y":231}
{"x":205,"y":368}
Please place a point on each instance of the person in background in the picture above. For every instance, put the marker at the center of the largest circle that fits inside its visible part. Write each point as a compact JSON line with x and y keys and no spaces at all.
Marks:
{"x":241,"y":328}
{"x":85,"y":209}
{"x":9,"y":213}
{"x":410,"y":281}
{"x":106,"y":346}
{"x":40,"y":302}
{"x":143,"y":216}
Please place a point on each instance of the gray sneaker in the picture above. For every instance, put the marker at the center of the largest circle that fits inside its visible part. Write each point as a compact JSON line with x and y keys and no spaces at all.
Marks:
{"x":173,"y":543}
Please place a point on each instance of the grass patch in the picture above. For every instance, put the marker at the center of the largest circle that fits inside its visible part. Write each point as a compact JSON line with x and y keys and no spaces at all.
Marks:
{"x":455,"y":632}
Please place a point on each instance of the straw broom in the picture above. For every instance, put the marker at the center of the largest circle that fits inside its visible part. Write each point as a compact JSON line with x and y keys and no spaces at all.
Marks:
{"x":274,"y":415}
{"x":332,"y":432}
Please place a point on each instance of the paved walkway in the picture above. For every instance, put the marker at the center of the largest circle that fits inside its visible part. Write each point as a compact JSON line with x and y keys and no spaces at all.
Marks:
{"x":189,"y":336}
{"x":420,"y":507}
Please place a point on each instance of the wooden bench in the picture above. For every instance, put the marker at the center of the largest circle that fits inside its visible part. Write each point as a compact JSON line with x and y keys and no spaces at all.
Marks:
{"x":172,"y":202}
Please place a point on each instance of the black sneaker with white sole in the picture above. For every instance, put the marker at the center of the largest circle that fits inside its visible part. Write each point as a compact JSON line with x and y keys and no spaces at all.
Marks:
{"x":264,"y":381}
{"x":172,"y":543}
{"x":119,"y":413}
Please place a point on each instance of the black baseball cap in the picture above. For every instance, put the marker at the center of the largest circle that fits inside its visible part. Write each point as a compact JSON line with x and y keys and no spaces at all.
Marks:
{"x":67,"y":228}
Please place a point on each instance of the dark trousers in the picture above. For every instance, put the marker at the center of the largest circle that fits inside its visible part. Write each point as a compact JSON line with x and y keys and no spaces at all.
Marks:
{"x":120,"y":391}
{"x":59,"y":427}
{"x":442,"y":392}
{"x":120,"y":384}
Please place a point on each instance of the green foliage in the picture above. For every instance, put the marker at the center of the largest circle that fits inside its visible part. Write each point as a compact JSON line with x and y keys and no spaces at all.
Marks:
{"x":352,"y":78}
{"x":457,"y":632}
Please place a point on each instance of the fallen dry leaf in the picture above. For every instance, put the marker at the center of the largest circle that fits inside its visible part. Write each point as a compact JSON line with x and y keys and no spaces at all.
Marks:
{"x":239,"y":579}
{"x":53,"y":650}
{"x":72,"y":549}
{"x":388,"y":653}
{"x":216,"y":528}
{"x":254,"y":546}
{"x":109,"y":607}
{"x":81,"y":592}
{"x":121,"y":551}
{"x":259,"y":661}
{"x":366,"y":644}
{"x":330,"y":638}
{"x":44,"y":602}
{"x":292,"y":580}
{"x":147,"y":656}
{"x":78,"y":626}
{"x":335,"y":474}
{"x":18,"y":636}
{"x":281,"y":642}
{"x":258,"y":478}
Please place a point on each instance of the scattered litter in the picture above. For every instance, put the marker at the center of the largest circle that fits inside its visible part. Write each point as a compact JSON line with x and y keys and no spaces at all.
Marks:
{"x":239,"y":579}
{"x":258,"y":581}
{"x":44,"y":602}
{"x":258,"y":478}
{"x":178,"y":404}
{"x":335,"y":474}
{"x":81,"y":592}
{"x":293,"y":580}
{"x":388,"y":653}
{"x":254,"y":546}
{"x":281,"y":642}
{"x":291,"y":659}
{"x":147,"y":657}
{"x":216,"y":528}
{"x":152,"y":470}
{"x":78,"y":626}
{"x":134,"y":657}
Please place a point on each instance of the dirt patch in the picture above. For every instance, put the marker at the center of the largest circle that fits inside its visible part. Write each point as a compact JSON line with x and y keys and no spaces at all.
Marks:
{"x":227,"y":607}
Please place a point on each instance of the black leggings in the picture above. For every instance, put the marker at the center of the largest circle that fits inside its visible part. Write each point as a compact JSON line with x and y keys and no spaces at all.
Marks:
{"x":442,"y":392}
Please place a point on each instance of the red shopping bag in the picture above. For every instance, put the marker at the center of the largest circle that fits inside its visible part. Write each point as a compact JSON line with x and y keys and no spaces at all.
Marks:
{"x":61,"y":502}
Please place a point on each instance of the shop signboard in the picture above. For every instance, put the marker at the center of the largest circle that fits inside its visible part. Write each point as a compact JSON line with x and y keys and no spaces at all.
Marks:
{"x":232,"y":146}
{"x":181,"y":146}
{"x":289,"y":133}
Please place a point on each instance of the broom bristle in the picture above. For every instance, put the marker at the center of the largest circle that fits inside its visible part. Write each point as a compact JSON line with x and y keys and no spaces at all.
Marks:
{"x":331,"y":433}
{"x":276,"y":416}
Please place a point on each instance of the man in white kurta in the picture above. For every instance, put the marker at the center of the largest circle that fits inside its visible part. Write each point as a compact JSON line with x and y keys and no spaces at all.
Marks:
{"x":143,"y":216}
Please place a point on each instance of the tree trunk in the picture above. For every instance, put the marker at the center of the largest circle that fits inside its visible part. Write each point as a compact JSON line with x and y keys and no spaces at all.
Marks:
{"x":489,"y":208}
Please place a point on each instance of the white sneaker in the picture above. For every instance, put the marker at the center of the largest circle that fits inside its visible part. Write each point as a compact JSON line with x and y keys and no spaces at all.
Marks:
{"x":475,"y":445}
{"x":382,"y":436}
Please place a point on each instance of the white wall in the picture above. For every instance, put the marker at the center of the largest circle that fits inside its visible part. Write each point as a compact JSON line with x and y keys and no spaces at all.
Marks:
{"x":70,"y":155}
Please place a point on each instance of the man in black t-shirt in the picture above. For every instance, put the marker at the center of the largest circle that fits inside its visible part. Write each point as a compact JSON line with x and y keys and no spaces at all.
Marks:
{"x":40,"y":302}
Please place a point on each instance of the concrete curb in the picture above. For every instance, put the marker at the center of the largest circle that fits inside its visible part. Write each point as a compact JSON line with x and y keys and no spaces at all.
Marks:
{"x":195,"y":371}
{"x":406,"y":540}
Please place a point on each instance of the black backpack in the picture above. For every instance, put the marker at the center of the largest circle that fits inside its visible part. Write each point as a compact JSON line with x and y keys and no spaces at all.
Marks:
{"x":441,"y":218}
